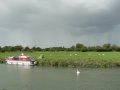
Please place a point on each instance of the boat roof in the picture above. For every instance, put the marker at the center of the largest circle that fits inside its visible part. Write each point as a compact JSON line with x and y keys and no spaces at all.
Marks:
{"x":23,"y":56}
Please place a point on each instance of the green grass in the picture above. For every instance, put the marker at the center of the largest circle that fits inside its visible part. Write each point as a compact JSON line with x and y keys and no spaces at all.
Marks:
{"x":74,"y":59}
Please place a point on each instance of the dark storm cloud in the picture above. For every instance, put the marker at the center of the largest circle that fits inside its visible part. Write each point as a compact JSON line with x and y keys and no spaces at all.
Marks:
{"x":58,"y":22}
{"x":83,"y":21}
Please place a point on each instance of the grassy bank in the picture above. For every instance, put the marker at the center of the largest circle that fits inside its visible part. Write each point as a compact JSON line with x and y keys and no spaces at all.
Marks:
{"x":72,"y":59}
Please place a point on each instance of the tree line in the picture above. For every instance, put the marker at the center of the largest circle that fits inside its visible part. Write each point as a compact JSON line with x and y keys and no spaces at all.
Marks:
{"x":78,"y":47}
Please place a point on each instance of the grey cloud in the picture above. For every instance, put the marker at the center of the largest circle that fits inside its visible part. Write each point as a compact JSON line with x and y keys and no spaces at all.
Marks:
{"x":100,"y":21}
{"x":54,"y":22}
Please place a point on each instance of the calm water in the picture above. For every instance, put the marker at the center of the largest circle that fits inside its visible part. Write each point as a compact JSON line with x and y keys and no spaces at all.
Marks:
{"x":14,"y":77}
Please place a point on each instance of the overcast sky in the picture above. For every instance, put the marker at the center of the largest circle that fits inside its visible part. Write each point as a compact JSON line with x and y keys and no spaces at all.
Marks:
{"x":48,"y":23}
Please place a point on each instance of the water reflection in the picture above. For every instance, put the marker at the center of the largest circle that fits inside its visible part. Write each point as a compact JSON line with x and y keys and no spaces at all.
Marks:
{"x":25,"y":67}
{"x":77,"y":72}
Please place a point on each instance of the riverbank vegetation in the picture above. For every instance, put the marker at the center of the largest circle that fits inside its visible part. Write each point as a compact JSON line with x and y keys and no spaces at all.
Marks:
{"x":71,"y":58}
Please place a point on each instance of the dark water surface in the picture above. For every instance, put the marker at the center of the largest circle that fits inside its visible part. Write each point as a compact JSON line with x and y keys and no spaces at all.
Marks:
{"x":14,"y":77}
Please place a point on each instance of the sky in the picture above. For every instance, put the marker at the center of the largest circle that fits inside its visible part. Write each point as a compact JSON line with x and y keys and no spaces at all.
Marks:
{"x":49,"y":23}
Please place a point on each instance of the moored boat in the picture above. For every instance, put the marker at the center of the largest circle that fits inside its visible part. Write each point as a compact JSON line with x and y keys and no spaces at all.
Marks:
{"x":21,"y":60}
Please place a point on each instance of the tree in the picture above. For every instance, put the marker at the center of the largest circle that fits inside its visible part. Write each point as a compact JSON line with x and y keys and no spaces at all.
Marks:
{"x":18,"y":48}
{"x":8,"y":48}
{"x":99,"y":49}
{"x":0,"y":48}
{"x":107,"y":45}
{"x":72,"y":48}
{"x":115,"y":48}
{"x":36,"y":49}
{"x":91,"y":48}
{"x":83,"y":49}
{"x":79,"y":46}
{"x":26,"y":48}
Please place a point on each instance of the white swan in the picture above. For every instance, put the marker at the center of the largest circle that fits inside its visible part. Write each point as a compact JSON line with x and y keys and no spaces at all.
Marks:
{"x":78,"y":72}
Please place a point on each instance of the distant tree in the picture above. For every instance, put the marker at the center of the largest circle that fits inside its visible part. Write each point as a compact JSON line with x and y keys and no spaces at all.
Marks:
{"x":18,"y":48}
{"x":106,"y":46}
{"x":114,"y":47}
{"x":72,"y":48}
{"x":84,"y":49}
{"x":0,"y":48}
{"x":118,"y":49}
{"x":79,"y":46}
{"x":91,"y":48}
{"x":26,"y":48}
{"x":36,"y":49}
{"x":13,"y":48}
{"x":55,"y":49}
{"x":46,"y":49}
{"x":99,"y":49}
{"x":7,"y":48}
{"x":69,"y":49}
{"x":33,"y":48}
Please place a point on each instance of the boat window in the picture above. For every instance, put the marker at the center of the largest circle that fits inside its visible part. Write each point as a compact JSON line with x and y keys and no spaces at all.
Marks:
{"x":16,"y":58}
{"x":32,"y":59}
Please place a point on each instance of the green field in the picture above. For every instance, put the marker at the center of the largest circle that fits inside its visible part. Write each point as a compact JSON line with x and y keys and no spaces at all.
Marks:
{"x":73,"y":59}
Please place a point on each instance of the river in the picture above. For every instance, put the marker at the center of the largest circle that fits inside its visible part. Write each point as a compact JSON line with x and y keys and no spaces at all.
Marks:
{"x":14,"y":77}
